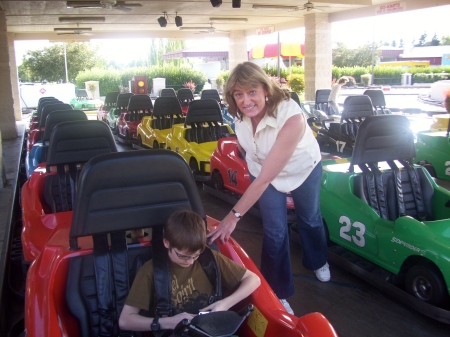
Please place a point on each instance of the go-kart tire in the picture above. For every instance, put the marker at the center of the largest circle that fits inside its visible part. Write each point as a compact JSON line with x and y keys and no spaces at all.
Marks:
{"x":194,"y":166}
{"x":139,"y":141}
{"x":425,"y":282}
{"x":217,"y":181}
{"x":155,"y":145}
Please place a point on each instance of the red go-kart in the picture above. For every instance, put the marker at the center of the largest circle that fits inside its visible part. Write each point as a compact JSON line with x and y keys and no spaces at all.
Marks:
{"x":78,"y":284}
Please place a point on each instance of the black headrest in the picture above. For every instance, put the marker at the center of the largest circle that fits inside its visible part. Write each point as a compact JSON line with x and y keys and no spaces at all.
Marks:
{"x":111,"y":97}
{"x":295,"y":97}
{"x":130,"y":190}
{"x":357,"y":106}
{"x":45,"y":98}
{"x":383,"y":138}
{"x":123,"y":99}
{"x":185,"y":94}
{"x":78,"y":142}
{"x":322,"y":95}
{"x":168,"y":92}
{"x":60,"y":116}
{"x":211,"y":93}
{"x":50,"y":108}
{"x":204,"y":110}
{"x":45,"y":102}
{"x":140,"y":102}
{"x":376,"y":96}
{"x":167,"y":106}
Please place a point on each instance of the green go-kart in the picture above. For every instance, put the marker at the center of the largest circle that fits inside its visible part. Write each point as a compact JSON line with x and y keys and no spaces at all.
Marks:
{"x":387,"y":219}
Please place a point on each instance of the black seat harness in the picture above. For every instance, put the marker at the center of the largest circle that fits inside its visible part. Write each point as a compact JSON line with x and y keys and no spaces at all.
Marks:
{"x":162,"y":279}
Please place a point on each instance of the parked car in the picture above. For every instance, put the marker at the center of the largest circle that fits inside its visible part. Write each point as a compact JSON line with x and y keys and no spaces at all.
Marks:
{"x":114,"y":113}
{"x":196,"y":139}
{"x":110,"y":102}
{"x":390,"y":214}
{"x":153,"y":130}
{"x":127,"y":124}
{"x":65,"y":284}
{"x":229,"y":173}
{"x":82,"y":101}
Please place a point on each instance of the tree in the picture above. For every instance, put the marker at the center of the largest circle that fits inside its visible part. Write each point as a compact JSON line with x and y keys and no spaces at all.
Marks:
{"x":48,"y":64}
{"x":422,"y":40}
{"x":362,"y":56}
{"x":401,"y":43}
{"x":394,"y":44}
{"x":435,"y":41}
{"x":161,"y":47}
{"x":445,"y":40}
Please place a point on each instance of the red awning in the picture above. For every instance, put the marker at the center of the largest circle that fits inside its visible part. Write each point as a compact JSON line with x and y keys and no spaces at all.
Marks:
{"x":271,"y":50}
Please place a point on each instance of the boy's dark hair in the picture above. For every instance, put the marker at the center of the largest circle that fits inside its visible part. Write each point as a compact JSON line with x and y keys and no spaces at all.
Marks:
{"x":186,"y":231}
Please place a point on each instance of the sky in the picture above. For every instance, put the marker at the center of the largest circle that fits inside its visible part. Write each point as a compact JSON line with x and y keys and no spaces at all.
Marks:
{"x":408,"y":26}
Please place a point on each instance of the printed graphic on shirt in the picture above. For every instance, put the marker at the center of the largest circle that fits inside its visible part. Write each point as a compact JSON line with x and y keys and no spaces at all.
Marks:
{"x":186,"y":297}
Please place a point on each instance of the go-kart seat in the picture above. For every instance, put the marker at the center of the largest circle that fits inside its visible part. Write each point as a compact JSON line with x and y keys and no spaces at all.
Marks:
{"x":185,"y":96}
{"x":42,"y":102}
{"x":200,"y":112}
{"x":38,"y":153}
{"x":122,"y":102}
{"x":111,"y":202}
{"x":167,"y":111}
{"x":139,"y":106}
{"x":212,"y":94}
{"x":110,"y":100}
{"x":294,"y":96}
{"x":397,"y":191}
{"x":167,"y":92}
{"x":356,"y":109}
{"x":322,"y":101}
{"x":47,"y":109}
{"x":72,"y":144}
{"x":378,"y":101}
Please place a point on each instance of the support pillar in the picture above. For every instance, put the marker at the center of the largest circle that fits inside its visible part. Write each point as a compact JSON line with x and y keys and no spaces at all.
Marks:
{"x":237,"y":49}
{"x":318,"y":54}
{"x":7,"y":120}
{"x":14,"y":77}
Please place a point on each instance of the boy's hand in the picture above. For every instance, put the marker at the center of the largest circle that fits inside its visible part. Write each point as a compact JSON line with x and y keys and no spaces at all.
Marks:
{"x":216,"y":306}
{"x":171,"y":322}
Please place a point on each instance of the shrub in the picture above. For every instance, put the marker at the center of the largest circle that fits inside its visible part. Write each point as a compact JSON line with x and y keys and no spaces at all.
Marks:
{"x":296,"y":82}
{"x":365,"y":79}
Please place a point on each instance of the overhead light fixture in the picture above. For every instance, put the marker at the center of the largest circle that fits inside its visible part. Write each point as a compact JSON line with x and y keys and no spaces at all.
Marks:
{"x":82,"y":19}
{"x":216,"y":3}
{"x":72,"y":29}
{"x":162,"y":20}
{"x":178,"y":20}
{"x":276,"y":7}
{"x":236,"y":3}
{"x":228,"y":19}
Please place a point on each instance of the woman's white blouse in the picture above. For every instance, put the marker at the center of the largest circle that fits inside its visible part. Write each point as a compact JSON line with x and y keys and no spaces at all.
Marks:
{"x":305,"y":157}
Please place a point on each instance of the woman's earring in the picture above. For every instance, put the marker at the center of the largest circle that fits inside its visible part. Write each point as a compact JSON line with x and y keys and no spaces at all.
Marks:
{"x":267,"y":99}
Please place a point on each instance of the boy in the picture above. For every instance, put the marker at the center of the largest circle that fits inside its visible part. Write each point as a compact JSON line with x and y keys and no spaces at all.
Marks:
{"x":185,"y":239}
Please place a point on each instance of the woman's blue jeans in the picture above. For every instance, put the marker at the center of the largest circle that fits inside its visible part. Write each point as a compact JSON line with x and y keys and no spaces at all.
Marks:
{"x":275,"y":257}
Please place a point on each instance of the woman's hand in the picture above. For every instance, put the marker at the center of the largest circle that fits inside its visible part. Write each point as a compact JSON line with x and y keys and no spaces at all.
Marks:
{"x":224,"y":230}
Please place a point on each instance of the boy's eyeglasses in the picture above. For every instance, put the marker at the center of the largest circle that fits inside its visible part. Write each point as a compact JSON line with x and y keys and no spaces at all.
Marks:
{"x":186,"y":257}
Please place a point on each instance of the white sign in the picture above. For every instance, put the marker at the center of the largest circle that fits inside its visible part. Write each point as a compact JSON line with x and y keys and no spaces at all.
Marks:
{"x":390,"y":8}
{"x":265,"y":30}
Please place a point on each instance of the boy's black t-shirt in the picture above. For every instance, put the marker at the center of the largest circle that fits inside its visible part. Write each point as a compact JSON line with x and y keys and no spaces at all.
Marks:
{"x":191,"y":288}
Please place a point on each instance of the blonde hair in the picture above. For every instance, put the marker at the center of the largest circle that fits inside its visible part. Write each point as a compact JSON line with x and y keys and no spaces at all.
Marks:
{"x":248,"y":75}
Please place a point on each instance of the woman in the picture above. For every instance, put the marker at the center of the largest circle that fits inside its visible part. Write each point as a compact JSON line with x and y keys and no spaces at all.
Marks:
{"x":282,"y":155}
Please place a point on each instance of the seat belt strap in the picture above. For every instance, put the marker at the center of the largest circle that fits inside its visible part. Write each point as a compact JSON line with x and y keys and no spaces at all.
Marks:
{"x":398,"y":188}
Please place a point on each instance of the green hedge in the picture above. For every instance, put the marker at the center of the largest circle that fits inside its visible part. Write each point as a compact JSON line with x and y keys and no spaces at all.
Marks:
{"x":112,"y":79}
